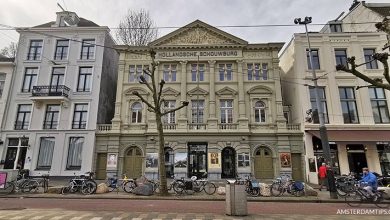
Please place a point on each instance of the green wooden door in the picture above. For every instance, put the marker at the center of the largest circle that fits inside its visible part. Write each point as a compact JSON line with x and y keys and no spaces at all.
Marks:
{"x":296,"y":163}
{"x":133,"y":163}
{"x":101,"y":164}
{"x":263,"y":164}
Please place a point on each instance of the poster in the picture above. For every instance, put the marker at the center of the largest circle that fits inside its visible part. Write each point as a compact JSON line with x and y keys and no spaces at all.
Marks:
{"x":112,"y":160}
{"x":214,"y":160}
{"x":312,"y":164}
{"x":285,"y":159}
{"x":3,"y":180}
{"x":151,"y":160}
{"x":181,"y":160}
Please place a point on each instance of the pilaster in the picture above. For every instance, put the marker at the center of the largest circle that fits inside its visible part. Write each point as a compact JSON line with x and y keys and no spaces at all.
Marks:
{"x":182,"y":120}
{"x":212,"y":120}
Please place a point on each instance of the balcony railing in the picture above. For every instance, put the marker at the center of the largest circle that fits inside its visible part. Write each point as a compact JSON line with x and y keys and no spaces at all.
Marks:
{"x":104,"y":127}
{"x":59,"y":90}
{"x":197,"y":126}
{"x":227,"y":126}
{"x":169,"y":126}
{"x":295,"y":127}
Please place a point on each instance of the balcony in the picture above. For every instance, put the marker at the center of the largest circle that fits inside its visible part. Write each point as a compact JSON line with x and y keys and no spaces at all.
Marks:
{"x":53,"y":93}
{"x":169,"y":126}
{"x":294,"y":127}
{"x":197,"y":126}
{"x":227,"y":126}
{"x":104,"y":128}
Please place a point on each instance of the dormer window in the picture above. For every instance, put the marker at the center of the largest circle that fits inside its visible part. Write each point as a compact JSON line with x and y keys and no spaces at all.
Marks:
{"x":335,"y":28}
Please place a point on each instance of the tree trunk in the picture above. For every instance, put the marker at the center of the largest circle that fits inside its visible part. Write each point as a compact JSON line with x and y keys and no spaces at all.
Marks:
{"x":161,"y":156}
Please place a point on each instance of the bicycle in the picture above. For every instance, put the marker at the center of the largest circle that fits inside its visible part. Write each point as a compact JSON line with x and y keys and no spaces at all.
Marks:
{"x":194,"y":185}
{"x":113,"y":183}
{"x":252,"y":186}
{"x":360,"y":195}
{"x":345,"y":184}
{"x":284,"y":184}
{"x":84,"y":184}
{"x":23,"y":184}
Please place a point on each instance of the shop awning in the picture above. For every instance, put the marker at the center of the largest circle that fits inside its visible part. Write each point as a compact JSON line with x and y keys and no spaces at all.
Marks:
{"x":355,"y":136}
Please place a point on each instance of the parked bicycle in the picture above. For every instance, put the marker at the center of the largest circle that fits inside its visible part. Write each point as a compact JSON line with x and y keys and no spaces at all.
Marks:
{"x":284,"y":184}
{"x":345,"y":184}
{"x":23,"y":183}
{"x":84,"y":184}
{"x":195,"y":185}
{"x":359,"y":196}
{"x":252,"y":186}
{"x":114,"y":184}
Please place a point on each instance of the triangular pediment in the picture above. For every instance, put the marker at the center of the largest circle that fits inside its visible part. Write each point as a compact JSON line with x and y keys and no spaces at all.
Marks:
{"x":140,"y":90}
{"x":198,"y":33}
{"x":226,"y":91}
{"x":260,"y":90}
{"x":170,"y":92}
{"x":197,"y":91}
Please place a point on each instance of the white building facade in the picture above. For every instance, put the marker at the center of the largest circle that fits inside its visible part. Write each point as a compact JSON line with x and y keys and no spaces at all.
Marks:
{"x":62,"y":87}
{"x":357,"y":116}
{"x":234,"y":123}
{"x":6,"y":71}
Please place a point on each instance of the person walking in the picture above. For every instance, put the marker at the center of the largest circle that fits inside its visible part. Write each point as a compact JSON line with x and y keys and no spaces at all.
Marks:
{"x":322,"y":176}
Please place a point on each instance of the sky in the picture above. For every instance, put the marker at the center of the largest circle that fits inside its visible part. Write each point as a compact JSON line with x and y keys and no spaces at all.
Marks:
{"x":177,"y":13}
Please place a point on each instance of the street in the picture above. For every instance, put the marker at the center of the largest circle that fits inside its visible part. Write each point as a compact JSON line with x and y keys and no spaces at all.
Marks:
{"x":116,"y":209}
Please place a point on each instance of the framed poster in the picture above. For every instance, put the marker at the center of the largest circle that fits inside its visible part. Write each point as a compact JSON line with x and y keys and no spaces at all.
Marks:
{"x":112,"y":160}
{"x":151,"y":160}
{"x":214,"y":160}
{"x":3,"y":180}
{"x":285,"y":159}
{"x":181,"y":160}
{"x":312,"y":164}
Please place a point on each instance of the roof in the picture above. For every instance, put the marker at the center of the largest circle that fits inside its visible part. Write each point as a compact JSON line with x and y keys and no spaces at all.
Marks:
{"x":384,"y":11}
{"x":6,"y":59}
{"x":82,"y":23}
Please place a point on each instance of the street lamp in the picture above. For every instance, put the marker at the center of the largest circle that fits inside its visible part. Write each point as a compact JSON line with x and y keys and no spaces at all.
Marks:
{"x":323,"y":132}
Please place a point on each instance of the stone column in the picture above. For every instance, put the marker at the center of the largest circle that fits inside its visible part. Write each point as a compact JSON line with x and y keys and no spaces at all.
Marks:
{"x":182,"y":120}
{"x":242,"y":119}
{"x":212,"y":119}
{"x":280,"y":119}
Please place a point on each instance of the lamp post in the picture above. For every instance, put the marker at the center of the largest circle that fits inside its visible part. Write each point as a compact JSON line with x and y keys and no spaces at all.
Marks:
{"x":323,"y":132}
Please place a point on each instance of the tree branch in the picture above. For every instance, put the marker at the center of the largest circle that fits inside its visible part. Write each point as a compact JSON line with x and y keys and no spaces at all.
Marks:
{"x":144,"y":100}
{"x":162,"y":82}
{"x":185,"y":103}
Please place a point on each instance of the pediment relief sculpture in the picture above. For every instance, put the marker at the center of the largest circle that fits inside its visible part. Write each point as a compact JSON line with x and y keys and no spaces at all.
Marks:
{"x":197,"y":35}
{"x":197,"y":91}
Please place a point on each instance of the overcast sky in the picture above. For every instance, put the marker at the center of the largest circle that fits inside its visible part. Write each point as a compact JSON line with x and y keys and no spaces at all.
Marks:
{"x":177,"y":13}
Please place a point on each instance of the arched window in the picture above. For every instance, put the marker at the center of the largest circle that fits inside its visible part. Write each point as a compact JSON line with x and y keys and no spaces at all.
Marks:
{"x":136,"y":113}
{"x":260,"y":112}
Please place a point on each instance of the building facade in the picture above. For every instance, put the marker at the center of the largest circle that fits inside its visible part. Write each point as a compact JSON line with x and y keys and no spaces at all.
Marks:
{"x":234,"y":123}
{"x":6,"y":70}
{"x":62,"y":87}
{"x":356,"y":115}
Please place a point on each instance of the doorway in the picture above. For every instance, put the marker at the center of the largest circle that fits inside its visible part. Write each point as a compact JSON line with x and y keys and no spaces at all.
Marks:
{"x":263,"y":163}
{"x":228,"y":163}
{"x":101,"y":165}
{"x":16,"y":153}
{"x":197,"y":154}
{"x":133,"y":163}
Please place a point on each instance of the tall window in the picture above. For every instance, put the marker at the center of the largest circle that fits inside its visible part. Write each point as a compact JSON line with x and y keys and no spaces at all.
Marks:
{"x":257,"y":73}
{"x":169,"y":72}
{"x":348,"y":105}
{"x":136,"y":113}
{"x":135,"y":71}
{"x":197,"y":72}
{"x":316,"y":59}
{"x":51,"y":117}
{"x":260,"y":112}
{"x":75,"y":153}
{"x":226,"y":111}
{"x":341,"y":57}
{"x":30,"y":79}
{"x":80,"y":116}
{"x":45,"y":156}
{"x":170,"y":117}
{"x":35,"y":50}
{"x":316,"y":118}
{"x":2,"y":83}
{"x":225,"y":72}
{"x":61,"y":50}
{"x":379,"y":105}
{"x":88,"y":49}
{"x":85,"y":79}
{"x":368,"y":53}
{"x":197,"y":111}
{"x":23,"y":117}
{"x":57,"y":79}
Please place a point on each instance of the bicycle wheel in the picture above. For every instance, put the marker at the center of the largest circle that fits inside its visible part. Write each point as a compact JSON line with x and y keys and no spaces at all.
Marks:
{"x":73,"y":187}
{"x":209,"y":188}
{"x":8,"y":188}
{"x":65,"y":190}
{"x":129,"y":186}
{"x":255,"y":192}
{"x":179,"y":187}
{"x":111,"y":186}
{"x":30,"y":186}
{"x":88,"y":187}
{"x":341,"y":191}
{"x":380,"y":202}
{"x":353,"y":199}
{"x":276,"y":189}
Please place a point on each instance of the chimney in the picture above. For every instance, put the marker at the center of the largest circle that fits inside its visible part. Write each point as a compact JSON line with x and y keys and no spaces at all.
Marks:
{"x":66,"y":19}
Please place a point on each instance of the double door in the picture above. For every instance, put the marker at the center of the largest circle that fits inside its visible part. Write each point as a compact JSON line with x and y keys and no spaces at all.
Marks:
{"x":197,"y":155}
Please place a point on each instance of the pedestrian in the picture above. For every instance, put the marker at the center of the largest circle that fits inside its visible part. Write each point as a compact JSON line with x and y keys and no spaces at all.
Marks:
{"x":322,"y":176}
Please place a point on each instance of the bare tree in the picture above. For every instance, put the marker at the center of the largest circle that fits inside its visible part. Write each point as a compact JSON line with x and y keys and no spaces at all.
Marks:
{"x":155,"y":107}
{"x":381,"y":57}
{"x":10,"y":50}
{"x":136,"y":28}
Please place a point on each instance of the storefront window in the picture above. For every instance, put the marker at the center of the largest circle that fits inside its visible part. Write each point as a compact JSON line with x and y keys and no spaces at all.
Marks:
{"x":384,"y":158}
{"x":319,"y":154}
